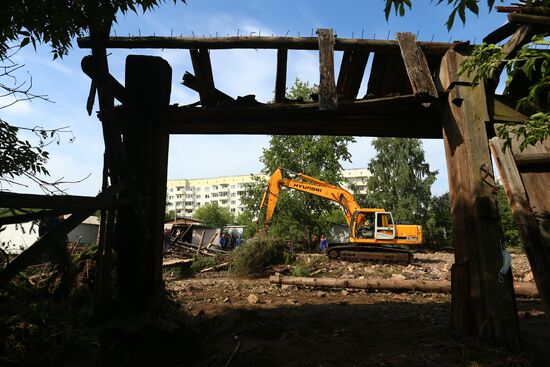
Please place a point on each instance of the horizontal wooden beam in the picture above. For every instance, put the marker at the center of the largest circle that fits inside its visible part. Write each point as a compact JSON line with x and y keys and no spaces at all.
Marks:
{"x":291,"y":43}
{"x":532,"y":159}
{"x":32,"y":201}
{"x":401,"y":116}
{"x":535,"y":20}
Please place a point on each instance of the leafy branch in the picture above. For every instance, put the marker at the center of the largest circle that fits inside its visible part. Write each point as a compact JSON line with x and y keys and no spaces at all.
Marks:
{"x":486,"y":63}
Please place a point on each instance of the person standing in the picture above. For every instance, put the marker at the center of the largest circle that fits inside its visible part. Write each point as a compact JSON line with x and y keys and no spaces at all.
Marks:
{"x":323,"y":244}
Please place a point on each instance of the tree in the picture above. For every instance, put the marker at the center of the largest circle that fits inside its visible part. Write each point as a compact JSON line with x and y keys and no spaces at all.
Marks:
{"x":510,"y":233}
{"x":438,"y":229}
{"x":488,"y":61}
{"x":214,"y":216}
{"x":246,"y":219}
{"x":57,"y":23}
{"x":301,"y":215}
{"x":400,"y":178}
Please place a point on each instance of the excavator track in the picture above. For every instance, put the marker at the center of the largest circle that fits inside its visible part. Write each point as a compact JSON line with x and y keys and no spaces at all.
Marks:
{"x":370,"y":253}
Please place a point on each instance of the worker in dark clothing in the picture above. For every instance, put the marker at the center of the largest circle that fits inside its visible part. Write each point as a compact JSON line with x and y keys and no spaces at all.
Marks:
{"x":323,"y":244}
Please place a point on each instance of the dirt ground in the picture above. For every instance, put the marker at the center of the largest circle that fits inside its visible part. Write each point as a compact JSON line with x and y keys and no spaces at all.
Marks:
{"x":249,"y":322}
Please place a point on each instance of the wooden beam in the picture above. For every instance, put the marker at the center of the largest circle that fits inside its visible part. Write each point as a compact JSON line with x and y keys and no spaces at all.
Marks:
{"x":501,"y":33}
{"x":417,"y":67}
{"x":489,"y":310}
{"x":54,"y":237}
{"x":537,"y":247}
{"x":541,"y":160}
{"x":190,"y":81}
{"x":328,"y":99}
{"x":117,"y":89}
{"x":98,"y":204}
{"x":280,"y":79}
{"x":401,"y":116}
{"x":502,"y":112}
{"x":290,"y":43}
{"x":351,"y":74}
{"x":148,"y":83}
{"x":528,"y":19}
{"x":203,"y":70}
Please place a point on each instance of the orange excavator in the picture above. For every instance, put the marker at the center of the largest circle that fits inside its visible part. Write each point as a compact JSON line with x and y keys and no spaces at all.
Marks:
{"x":373,"y":235}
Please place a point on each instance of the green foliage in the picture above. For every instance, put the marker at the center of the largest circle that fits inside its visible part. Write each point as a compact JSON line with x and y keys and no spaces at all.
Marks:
{"x":214,"y":216}
{"x":400,"y":178}
{"x":19,"y":157}
{"x":58,"y":22}
{"x":246,"y":218}
{"x":301,"y":91}
{"x":300,"y":270}
{"x":438,"y":229}
{"x":169,"y":215}
{"x":254,"y":255}
{"x":459,"y":7}
{"x":202,"y":262}
{"x":509,"y":229}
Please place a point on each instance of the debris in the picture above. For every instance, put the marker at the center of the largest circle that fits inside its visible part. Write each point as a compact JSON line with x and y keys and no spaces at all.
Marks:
{"x":252,"y":299}
{"x":216,"y":267}
{"x":288,"y":287}
{"x":344,"y":292}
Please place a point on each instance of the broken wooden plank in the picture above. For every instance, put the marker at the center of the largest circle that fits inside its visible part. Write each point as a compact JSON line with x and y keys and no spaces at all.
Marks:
{"x":351,"y":74}
{"x":524,"y":289}
{"x":203,"y":71}
{"x":501,"y":33}
{"x":417,"y":67}
{"x":280,"y":79}
{"x":117,"y":89}
{"x":328,"y":99}
{"x":190,"y":81}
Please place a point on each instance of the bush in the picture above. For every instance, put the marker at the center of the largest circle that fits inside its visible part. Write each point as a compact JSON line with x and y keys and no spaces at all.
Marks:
{"x":301,"y":270}
{"x":257,"y":253}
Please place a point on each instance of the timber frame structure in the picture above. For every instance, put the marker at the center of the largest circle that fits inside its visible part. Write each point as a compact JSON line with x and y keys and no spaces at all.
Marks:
{"x":414,"y":90}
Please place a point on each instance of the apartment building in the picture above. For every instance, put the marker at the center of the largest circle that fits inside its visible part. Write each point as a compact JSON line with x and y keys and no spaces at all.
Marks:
{"x":186,"y":195}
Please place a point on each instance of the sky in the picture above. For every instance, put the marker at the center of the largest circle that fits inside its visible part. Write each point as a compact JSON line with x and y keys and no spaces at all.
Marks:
{"x":236,"y":72}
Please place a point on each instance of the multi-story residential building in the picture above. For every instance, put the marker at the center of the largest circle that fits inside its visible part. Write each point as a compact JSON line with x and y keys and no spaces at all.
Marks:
{"x":186,"y":195}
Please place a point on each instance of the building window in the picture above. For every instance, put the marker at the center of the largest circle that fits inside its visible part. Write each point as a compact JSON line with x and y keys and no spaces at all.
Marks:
{"x":214,"y":194}
{"x":223,"y":193}
{"x":232,"y":210}
{"x":198,"y":189}
{"x":198,"y":196}
{"x":241,"y":193}
{"x":233,"y":186}
{"x":206,"y":196}
{"x":232,"y":201}
{"x":233,"y":194}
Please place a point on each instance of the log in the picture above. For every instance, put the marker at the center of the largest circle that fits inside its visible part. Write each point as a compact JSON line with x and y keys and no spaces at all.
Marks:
{"x":291,"y":43}
{"x":535,"y":20}
{"x":222,"y":265}
{"x":522,"y":289}
{"x":328,"y":99}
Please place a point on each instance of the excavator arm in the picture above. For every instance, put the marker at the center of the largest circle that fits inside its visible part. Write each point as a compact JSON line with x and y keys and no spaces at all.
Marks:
{"x":305,"y":184}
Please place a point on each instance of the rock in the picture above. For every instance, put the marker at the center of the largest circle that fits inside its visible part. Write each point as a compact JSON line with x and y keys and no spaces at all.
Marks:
{"x":361,"y":277}
{"x":528,"y":277}
{"x":293,"y":301}
{"x":344,"y":292}
{"x":252,"y":299}
{"x":350,"y":269}
{"x":321,"y":294}
{"x":289,"y":287}
{"x":226,"y":300}
{"x":398,"y":277}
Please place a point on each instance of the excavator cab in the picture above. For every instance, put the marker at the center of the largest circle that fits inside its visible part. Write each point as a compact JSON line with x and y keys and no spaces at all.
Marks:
{"x":385,"y":228}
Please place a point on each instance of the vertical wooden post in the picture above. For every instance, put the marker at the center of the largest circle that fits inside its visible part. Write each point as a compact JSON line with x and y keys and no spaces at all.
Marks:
{"x":139,"y":257}
{"x":488,"y":309}
{"x":280,"y":79}
{"x":328,"y":99}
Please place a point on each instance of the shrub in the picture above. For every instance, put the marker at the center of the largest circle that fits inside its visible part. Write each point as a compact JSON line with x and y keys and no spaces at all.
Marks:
{"x":257,"y":253}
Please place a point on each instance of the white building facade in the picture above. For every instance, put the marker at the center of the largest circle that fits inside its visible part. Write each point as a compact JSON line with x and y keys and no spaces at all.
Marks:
{"x":186,"y":195}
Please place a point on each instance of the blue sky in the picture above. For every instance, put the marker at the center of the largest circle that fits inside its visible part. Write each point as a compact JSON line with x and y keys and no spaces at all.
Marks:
{"x":236,"y":72}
